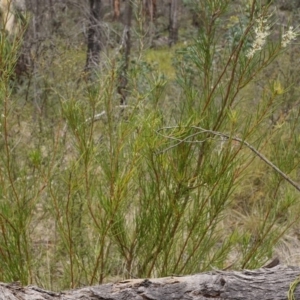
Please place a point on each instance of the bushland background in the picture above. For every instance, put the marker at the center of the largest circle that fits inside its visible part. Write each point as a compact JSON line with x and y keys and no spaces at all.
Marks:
{"x":142,"y":139}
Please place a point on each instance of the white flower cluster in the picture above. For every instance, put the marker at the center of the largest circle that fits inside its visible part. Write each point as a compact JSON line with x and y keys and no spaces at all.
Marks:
{"x":288,"y":37}
{"x":262,"y":30}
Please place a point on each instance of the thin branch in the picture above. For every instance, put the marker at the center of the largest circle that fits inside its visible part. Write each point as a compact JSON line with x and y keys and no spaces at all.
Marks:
{"x":98,"y":117}
{"x":226,"y":136}
{"x":180,"y":141}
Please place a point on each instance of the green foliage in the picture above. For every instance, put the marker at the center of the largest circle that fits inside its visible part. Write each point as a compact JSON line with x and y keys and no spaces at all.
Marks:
{"x":167,"y":184}
{"x":161,"y":59}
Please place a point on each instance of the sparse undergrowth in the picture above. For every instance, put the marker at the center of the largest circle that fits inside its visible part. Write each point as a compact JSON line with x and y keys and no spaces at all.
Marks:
{"x":91,"y":192}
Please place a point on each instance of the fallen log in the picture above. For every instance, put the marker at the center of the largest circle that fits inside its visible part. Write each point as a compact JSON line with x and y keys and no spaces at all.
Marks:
{"x":262,"y":284}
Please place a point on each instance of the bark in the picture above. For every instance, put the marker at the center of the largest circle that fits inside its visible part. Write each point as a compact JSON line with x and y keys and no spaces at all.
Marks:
{"x":125,"y":50}
{"x":154,"y":10}
{"x":151,"y":14}
{"x":173,"y":22}
{"x":265,"y":283}
{"x":94,"y":36}
{"x":117,"y":9}
{"x":150,"y":9}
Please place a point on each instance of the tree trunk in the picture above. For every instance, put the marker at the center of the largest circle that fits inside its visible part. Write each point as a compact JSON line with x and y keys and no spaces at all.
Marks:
{"x":265,"y":283}
{"x":125,"y":50}
{"x":173,"y":22}
{"x":116,"y":8}
{"x":94,"y":36}
{"x":152,"y":17}
{"x":150,"y":9}
{"x":154,"y":10}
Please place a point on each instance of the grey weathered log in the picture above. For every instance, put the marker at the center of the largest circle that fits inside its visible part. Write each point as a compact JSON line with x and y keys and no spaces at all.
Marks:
{"x":264,"y":283}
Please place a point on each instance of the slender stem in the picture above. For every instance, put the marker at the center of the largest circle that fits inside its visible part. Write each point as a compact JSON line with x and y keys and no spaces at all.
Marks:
{"x":226,"y":136}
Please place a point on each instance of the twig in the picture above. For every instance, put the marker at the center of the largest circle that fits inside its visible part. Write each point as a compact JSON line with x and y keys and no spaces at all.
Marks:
{"x":97,"y":117}
{"x":226,"y":136}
